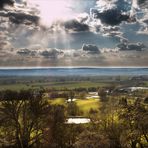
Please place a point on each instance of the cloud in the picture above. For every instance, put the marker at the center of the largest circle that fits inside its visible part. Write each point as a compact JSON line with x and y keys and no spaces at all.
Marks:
{"x":5,"y":45}
{"x":20,"y":13}
{"x":23,"y":36}
{"x":50,"y":53}
{"x":113,"y":12}
{"x":89,"y":48}
{"x":122,"y":5}
{"x":110,"y":17}
{"x":20,"y":17}
{"x":131,"y":46}
{"x":26,"y":52}
{"x":6,"y":2}
{"x":143,"y":3}
{"x":75,"y":25}
{"x":39,"y":52}
{"x":72,"y":57}
{"x":53,"y":53}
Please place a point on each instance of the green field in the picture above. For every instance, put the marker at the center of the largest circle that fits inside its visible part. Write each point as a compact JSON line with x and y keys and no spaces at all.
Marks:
{"x":55,"y":85}
{"x":18,"y":83}
{"x":58,"y":101}
{"x":83,"y":105}
{"x":86,"y":105}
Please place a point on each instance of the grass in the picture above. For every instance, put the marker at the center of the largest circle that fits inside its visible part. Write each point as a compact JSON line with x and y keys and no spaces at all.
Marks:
{"x":15,"y":87}
{"x":70,"y":85}
{"x":56,"y":85}
{"x":87,"y":104}
{"x":84,"y":105}
{"x":58,"y":101}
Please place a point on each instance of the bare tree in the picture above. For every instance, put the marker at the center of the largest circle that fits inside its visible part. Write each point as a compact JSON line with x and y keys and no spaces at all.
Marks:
{"x":26,"y":117}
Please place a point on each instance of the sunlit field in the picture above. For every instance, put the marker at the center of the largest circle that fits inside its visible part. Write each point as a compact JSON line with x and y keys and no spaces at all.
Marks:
{"x":84,"y":105}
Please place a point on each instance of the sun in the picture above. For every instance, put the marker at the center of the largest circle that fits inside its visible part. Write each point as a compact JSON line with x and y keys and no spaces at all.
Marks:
{"x":52,"y":10}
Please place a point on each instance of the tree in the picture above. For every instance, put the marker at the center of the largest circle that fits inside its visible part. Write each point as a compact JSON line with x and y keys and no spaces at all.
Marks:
{"x":146,"y":100}
{"x":134,"y":119}
{"x":72,"y":109}
{"x":71,"y":94}
{"x":123,"y":102}
{"x":57,"y":127}
{"x":102,"y":94}
{"x":90,"y":139}
{"x":25,"y":116}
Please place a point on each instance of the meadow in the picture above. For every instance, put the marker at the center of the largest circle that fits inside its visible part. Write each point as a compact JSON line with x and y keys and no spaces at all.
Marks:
{"x":70,"y":82}
{"x":84,"y":105}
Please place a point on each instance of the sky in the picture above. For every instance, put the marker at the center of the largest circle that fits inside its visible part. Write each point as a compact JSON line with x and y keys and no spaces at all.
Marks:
{"x":103,"y":33}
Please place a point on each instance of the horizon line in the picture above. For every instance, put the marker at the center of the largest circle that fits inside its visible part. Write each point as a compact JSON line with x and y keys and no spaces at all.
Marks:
{"x":69,"y":67}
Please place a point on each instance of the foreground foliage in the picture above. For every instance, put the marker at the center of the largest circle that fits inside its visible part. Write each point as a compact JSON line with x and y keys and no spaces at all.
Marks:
{"x":29,"y":120}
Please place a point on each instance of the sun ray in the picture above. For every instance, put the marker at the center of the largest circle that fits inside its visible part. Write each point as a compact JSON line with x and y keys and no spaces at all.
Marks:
{"x":52,"y":10}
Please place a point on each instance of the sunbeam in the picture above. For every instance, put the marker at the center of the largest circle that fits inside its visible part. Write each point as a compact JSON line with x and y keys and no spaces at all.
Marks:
{"x":52,"y":10}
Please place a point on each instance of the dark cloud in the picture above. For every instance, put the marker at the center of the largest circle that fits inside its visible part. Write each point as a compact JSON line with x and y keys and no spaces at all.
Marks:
{"x":20,"y":17}
{"x":76,"y":26}
{"x":52,"y":53}
{"x":110,"y":17}
{"x":37,"y":52}
{"x":131,"y":46}
{"x":143,"y":3}
{"x":6,"y":2}
{"x":26,"y":52}
{"x":113,"y":12}
{"x":19,"y":1}
{"x":145,"y":20}
{"x":89,"y":48}
{"x":19,"y":14}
